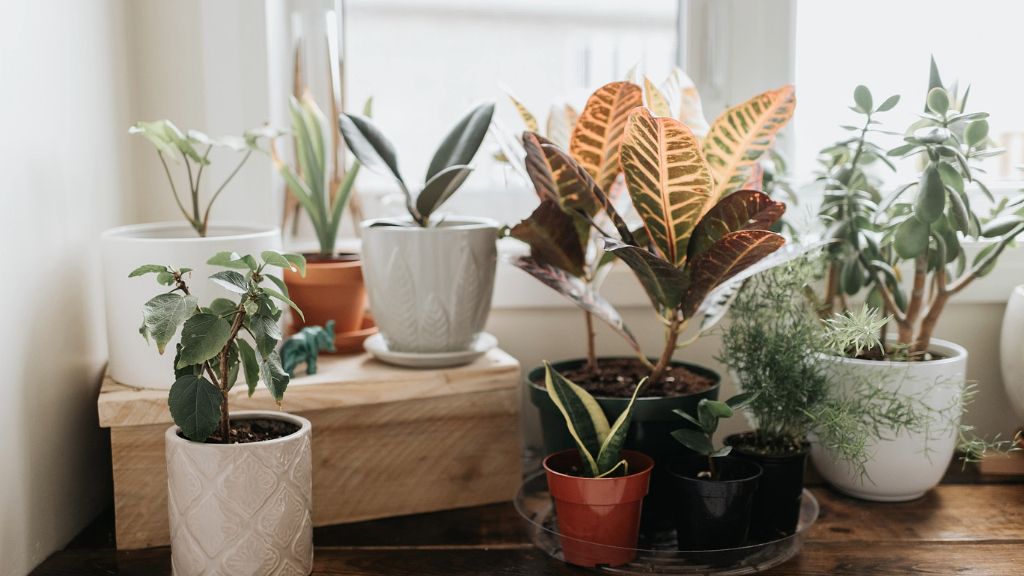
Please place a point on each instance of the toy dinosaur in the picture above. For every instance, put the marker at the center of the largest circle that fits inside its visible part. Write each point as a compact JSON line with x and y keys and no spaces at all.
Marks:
{"x":305,"y":345}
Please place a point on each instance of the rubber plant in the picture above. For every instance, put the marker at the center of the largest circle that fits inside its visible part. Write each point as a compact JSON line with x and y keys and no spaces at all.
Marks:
{"x":213,"y":350}
{"x":698,"y":439}
{"x":599,"y":444}
{"x":193,"y":149}
{"x":448,"y":168}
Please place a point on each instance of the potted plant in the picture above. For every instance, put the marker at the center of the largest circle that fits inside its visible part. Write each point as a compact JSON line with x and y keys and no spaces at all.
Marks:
{"x":715,"y":492}
{"x":715,"y":237}
{"x":332,"y":288}
{"x":187,"y":243}
{"x":919,"y":230}
{"x":597,"y":487}
{"x":239,"y":484}
{"x":430,"y":277}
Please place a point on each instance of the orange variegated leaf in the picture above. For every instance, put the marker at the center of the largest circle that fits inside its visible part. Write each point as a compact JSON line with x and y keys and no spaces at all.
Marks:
{"x":726,"y":258}
{"x":561,"y":121}
{"x":684,"y":99}
{"x":742,"y":134}
{"x":528,"y":118}
{"x":668,"y":180}
{"x":741,"y":210}
{"x":655,"y":99}
{"x":556,"y":176}
{"x":598,"y":133}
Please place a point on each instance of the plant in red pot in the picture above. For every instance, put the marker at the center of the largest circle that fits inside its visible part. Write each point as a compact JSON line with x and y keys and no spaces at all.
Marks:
{"x":333,"y":288}
{"x":598,"y":488}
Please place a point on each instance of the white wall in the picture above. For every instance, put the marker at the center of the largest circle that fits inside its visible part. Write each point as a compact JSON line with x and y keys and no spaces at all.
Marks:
{"x":64,"y":157}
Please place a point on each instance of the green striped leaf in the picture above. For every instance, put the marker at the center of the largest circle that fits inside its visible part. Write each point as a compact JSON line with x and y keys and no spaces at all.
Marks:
{"x":599,"y":130}
{"x":611,"y":451}
{"x":742,"y":210}
{"x":583,"y":416}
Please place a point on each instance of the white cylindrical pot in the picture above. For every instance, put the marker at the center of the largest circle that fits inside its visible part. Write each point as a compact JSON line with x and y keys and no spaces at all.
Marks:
{"x":902,"y":466}
{"x":241,"y":508}
{"x":132,"y":360}
{"x":430,"y":288}
{"x":1011,"y":350}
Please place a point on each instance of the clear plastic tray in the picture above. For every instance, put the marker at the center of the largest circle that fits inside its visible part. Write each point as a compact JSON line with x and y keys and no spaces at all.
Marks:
{"x":534,"y":504}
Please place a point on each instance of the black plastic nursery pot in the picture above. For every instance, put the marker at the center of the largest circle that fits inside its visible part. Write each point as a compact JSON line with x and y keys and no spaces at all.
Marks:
{"x":650,"y":431}
{"x":776,"y":508}
{"x":713,"y":514}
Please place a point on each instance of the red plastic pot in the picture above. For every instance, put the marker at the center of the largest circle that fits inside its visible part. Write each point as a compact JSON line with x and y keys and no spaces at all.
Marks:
{"x":598,"y":518}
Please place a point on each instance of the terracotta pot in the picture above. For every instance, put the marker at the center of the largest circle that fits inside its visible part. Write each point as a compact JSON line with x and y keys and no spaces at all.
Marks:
{"x":241,"y":508}
{"x":331,"y":290}
{"x":598,"y":518}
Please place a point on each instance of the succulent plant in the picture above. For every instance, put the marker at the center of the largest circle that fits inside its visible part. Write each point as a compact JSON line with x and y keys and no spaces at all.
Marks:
{"x":709,"y":412}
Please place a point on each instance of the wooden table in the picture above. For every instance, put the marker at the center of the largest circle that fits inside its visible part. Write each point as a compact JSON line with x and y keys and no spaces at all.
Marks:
{"x":970,"y":525}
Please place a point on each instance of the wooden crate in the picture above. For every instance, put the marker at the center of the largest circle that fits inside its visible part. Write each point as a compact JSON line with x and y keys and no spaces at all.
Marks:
{"x":387,"y":441}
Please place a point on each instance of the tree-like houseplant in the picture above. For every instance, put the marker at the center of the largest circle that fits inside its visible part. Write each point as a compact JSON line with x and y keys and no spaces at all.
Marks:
{"x":239,"y":484}
{"x":332,"y":288}
{"x":430,"y":277}
{"x":598,"y":487}
{"x":919,"y":232}
{"x":186,"y":159}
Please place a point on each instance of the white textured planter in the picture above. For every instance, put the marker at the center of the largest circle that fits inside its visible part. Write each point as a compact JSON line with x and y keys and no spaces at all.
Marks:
{"x":906,"y":465}
{"x":430,"y":288}
{"x":241,"y":508}
{"x":1011,"y":350}
{"x":132,"y":360}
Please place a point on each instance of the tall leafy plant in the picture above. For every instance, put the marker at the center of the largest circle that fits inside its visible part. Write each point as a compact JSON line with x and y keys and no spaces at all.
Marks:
{"x":448,"y":169}
{"x":193,"y":149}
{"x":212,"y":350}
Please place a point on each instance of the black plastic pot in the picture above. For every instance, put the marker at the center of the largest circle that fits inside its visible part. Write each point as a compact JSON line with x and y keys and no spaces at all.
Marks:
{"x":650,"y":431}
{"x":776,"y":509}
{"x":714,"y":514}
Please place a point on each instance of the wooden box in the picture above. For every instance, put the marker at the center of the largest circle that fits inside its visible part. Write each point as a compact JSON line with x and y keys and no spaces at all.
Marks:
{"x":387,"y":441}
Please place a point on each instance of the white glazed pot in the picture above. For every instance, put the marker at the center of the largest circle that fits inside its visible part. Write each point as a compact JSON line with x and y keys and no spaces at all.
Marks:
{"x":132,"y":360}
{"x":241,"y":508}
{"x":906,"y":465}
{"x":1011,"y":350}
{"x":430,"y":288}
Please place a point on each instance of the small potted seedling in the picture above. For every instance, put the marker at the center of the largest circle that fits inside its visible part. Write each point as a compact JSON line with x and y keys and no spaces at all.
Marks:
{"x":429,"y":276}
{"x":715,"y":491}
{"x":239,"y":484}
{"x":598,"y":488}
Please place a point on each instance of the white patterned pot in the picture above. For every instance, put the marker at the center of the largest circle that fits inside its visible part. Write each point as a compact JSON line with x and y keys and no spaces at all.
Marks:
{"x":902,"y":466}
{"x":1011,"y":350}
{"x":241,"y":508}
{"x":430,"y":288}
{"x":132,"y":360}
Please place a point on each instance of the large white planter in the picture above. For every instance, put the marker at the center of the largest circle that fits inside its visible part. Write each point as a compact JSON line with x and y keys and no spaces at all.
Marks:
{"x":430,"y":288}
{"x":131,"y":360}
{"x":902,"y":466}
{"x":241,"y":508}
{"x":1011,"y":350}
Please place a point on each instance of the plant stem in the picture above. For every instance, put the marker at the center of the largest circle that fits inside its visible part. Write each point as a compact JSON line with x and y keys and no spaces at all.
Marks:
{"x":209,"y":205}
{"x":591,"y":349}
{"x":200,"y":227}
{"x":175,"y":190}
{"x":225,"y":421}
{"x":671,"y":337}
{"x":711,"y":468}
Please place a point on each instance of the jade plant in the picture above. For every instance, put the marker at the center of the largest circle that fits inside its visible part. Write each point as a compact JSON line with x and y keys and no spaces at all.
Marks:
{"x":213,"y":350}
{"x":193,"y":149}
{"x":599,"y":444}
{"x":448,"y":168}
{"x":698,"y":439}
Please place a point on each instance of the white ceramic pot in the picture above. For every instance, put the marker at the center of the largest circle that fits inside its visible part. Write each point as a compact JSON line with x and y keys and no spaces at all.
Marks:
{"x":132,"y":360}
{"x":902,"y":466}
{"x":1011,"y":350}
{"x":241,"y":508}
{"x":430,"y":288}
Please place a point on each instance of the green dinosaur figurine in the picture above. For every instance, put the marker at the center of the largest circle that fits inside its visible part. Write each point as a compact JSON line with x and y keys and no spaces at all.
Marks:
{"x":305,"y":345}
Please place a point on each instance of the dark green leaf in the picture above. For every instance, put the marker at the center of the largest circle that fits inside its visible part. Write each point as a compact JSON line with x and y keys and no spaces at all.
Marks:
{"x":221,"y":307}
{"x":274,"y":376}
{"x":196,"y":369}
{"x":195,"y":406}
{"x":694,"y":440}
{"x":250,"y":366}
{"x":370,"y":145}
{"x":266,"y":332}
{"x":440,"y":188}
{"x":742,"y":400}
{"x":277,"y":259}
{"x":718,"y":409}
{"x":202,"y":338}
{"x":279,"y":283}
{"x":286,"y":300}
{"x":165,"y":278}
{"x":231,"y":280}
{"x":163,"y":314}
{"x":931,"y":196}
{"x":911,"y":238}
{"x":462,"y":142}
{"x":148,"y":269}
{"x":1001,"y":225}
{"x":297,"y":261}
{"x":232,"y":260}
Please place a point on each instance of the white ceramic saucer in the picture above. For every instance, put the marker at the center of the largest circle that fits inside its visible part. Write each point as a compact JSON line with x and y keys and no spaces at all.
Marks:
{"x":376,"y":346}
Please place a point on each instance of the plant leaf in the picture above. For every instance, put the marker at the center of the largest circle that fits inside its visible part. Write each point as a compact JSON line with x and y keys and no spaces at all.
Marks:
{"x":232,"y":260}
{"x":286,"y":300}
{"x":202,"y":338}
{"x":195,"y":406}
{"x":931,"y":196}
{"x":611,"y":449}
{"x":370,"y":145}
{"x":528,"y":118}
{"x":250,"y":366}
{"x":655,"y":99}
{"x":694,"y":440}
{"x":668,"y":180}
{"x":266,"y":332}
{"x":231,"y":280}
{"x":583,"y":415}
{"x":552,"y":237}
{"x":148,"y":269}
{"x":298,"y":261}
{"x":164,"y":313}
{"x":741,"y":210}
{"x":911,"y":238}
{"x":462,"y":143}
{"x":274,"y":377}
{"x":664,"y":283}
{"x":440,"y":188}
{"x":599,"y":130}
{"x":727,"y":257}
{"x":275,"y":258}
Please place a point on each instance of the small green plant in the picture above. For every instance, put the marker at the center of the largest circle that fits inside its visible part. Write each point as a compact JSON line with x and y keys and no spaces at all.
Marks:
{"x":212,"y":350}
{"x":599,"y":444}
{"x":709,"y":412}
{"x":193,"y":149}
{"x":448,"y":169}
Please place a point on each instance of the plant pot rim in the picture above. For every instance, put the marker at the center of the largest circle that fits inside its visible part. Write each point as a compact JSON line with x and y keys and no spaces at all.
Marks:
{"x":805,"y":448}
{"x":405,"y":224}
{"x":702,"y":370}
{"x":304,"y":427}
{"x":674,"y":471}
{"x":647,"y":461}
{"x":182,"y":232}
{"x":951,"y":351}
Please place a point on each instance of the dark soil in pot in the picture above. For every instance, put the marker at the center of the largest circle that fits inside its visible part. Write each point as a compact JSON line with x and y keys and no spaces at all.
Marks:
{"x":713,"y":514}
{"x":617,"y":377}
{"x":650,"y":430}
{"x":254,"y":430}
{"x":776,"y":509}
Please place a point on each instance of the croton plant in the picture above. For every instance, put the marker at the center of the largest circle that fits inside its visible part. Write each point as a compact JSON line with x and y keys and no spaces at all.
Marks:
{"x":703,"y":228}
